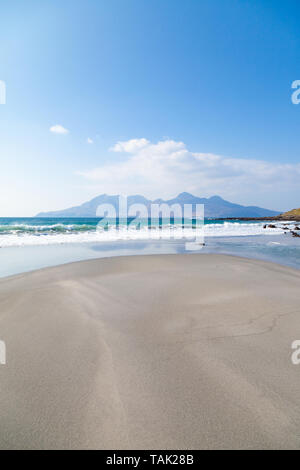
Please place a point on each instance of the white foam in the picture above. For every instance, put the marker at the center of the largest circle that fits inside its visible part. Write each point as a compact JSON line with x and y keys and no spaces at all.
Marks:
{"x":226,"y":229}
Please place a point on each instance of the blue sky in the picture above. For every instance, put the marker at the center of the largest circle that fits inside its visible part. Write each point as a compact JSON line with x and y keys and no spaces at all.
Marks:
{"x":196,"y":92}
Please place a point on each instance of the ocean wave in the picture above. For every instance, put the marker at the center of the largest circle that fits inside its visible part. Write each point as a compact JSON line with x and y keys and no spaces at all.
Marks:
{"x":55,"y":228}
{"x":59,"y":233}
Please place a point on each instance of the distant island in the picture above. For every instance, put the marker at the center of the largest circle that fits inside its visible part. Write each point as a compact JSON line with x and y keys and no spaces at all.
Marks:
{"x":215,"y":207}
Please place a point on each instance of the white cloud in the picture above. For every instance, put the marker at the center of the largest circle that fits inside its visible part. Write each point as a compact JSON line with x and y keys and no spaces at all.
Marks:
{"x":58,"y":129}
{"x":131,"y":146}
{"x":165,"y":168}
{"x":89,"y":140}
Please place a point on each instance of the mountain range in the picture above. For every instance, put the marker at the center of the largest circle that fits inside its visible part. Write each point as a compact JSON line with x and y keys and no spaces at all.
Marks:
{"x":215,"y":207}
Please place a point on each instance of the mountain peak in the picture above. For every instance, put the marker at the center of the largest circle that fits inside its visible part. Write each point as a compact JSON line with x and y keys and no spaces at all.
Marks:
{"x":184,"y":195}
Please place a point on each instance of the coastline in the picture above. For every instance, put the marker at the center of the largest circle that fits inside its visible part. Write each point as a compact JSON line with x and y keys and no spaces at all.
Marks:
{"x":171,"y":351}
{"x":280,"y":249}
{"x":262,"y":219}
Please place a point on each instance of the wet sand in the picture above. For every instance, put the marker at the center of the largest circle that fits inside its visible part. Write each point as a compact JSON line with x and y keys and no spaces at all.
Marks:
{"x":151,"y":352}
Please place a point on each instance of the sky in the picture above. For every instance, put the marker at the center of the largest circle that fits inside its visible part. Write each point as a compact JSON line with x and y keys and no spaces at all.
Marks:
{"x":154,"y":97}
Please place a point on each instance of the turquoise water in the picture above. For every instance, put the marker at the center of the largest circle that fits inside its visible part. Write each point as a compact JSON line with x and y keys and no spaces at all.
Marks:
{"x":31,"y":243}
{"x":40,"y":231}
{"x":13,"y":225}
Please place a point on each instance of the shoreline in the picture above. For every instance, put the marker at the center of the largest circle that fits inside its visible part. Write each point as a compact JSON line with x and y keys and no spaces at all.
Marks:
{"x":277,"y":248}
{"x":184,"y":351}
{"x":137,"y":255}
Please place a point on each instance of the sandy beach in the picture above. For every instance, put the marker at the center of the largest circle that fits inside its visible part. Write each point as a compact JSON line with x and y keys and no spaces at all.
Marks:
{"x":151,"y":352}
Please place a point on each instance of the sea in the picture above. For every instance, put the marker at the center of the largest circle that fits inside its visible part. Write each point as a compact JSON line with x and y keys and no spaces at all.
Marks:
{"x":27,"y":244}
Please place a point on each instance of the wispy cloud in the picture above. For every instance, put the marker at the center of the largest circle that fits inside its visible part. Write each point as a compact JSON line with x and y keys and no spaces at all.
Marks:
{"x":168,"y":167}
{"x":130,"y":146}
{"x":58,"y":129}
{"x":89,"y":140}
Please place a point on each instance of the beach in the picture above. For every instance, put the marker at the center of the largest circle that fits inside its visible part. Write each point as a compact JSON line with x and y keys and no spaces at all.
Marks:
{"x":184,"y":351}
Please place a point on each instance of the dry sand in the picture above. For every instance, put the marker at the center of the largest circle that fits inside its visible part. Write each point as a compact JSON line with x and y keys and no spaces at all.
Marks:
{"x":159,"y":352}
